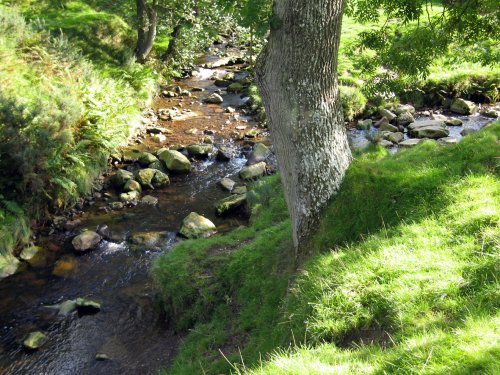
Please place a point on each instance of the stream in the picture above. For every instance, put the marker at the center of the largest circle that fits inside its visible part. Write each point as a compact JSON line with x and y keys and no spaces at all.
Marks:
{"x":130,"y":328}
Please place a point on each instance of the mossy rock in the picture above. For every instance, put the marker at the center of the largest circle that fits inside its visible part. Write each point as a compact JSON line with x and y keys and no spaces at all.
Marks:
{"x":200,"y":150}
{"x":175,"y":161}
{"x":145,"y":177}
{"x":88,"y":306}
{"x":86,"y":241}
{"x":36,"y":256}
{"x":121,"y":177}
{"x":130,"y":196}
{"x":132,"y":185}
{"x":253,"y":171}
{"x":160,"y":179}
{"x":230,"y":204}
{"x":35,"y":340}
{"x":9,"y":265}
{"x":235,"y":87}
{"x":146,"y":159}
{"x":197,"y":226}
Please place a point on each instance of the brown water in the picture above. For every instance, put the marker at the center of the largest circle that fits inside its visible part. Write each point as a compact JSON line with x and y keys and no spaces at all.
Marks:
{"x":130,"y":328}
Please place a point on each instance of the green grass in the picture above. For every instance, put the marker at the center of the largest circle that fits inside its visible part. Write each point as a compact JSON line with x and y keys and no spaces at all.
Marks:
{"x":403,"y":276}
{"x":62,"y":109}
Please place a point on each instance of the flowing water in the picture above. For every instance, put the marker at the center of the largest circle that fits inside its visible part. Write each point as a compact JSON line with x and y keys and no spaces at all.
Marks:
{"x":130,"y":328}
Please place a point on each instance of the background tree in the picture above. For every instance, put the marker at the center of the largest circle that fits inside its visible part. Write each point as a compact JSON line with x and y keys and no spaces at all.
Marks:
{"x":147,"y":19}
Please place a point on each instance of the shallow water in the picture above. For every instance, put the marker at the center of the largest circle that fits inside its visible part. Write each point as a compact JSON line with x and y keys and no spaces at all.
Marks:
{"x":130,"y":328}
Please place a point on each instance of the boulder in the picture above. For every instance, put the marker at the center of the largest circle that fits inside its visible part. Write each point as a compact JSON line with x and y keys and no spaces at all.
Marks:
{"x":426,"y":123}
{"x":396,"y":137}
{"x":387,"y":114}
{"x":86,"y":241}
{"x":129,"y":197}
{"x":9,"y":265}
{"x":364,"y":124}
{"x":379,"y":123}
{"x":453,"y":121}
{"x":146,"y":159}
{"x":35,"y":340}
{"x":175,"y":161}
{"x":388,"y":127}
{"x":200,"y":150}
{"x":145,"y":177}
{"x":158,"y":165}
{"x":259,"y":153}
{"x":87,"y":306}
{"x":227,"y":184}
{"x":410,"y":143}
{"x":160,"y":179}
{"x":253,"y":171}
{"x":121,"y":177}
{"x":433,"y":132}
{"x":463,"y":107}
{"x":224,"y":154}
{"x":404,"y":108}
{"x":230,"y":203}
{"x":196,"y":226}
{"x":132,"y":185}
{"x":214,"y":99}
{"x":405,"y":118}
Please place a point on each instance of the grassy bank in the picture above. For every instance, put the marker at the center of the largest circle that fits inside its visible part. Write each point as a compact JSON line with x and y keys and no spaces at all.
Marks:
{"x":403,"y":276}
{"x":62,"y":108}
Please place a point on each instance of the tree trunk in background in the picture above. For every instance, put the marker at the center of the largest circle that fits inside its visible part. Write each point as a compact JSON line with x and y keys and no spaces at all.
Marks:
{"x":176,"y":32}
{"x":147,"y":15}
{"x":297,"y":77}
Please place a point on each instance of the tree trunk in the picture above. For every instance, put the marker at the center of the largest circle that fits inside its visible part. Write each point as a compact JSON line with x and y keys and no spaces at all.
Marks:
{"x":172,"y":43}
{"x":297,"y":77}
{"x":147,"y":15}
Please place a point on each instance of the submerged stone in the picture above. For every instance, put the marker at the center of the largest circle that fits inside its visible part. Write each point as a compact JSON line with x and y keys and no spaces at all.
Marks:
{"x":65,"y":266}
{"x":36,"y":256}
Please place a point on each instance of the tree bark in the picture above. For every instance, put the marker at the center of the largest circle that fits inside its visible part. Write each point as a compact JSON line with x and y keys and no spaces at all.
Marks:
{"x":172,"y":43}
{"x":297,"y":77}
{"x":147,"y":15}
